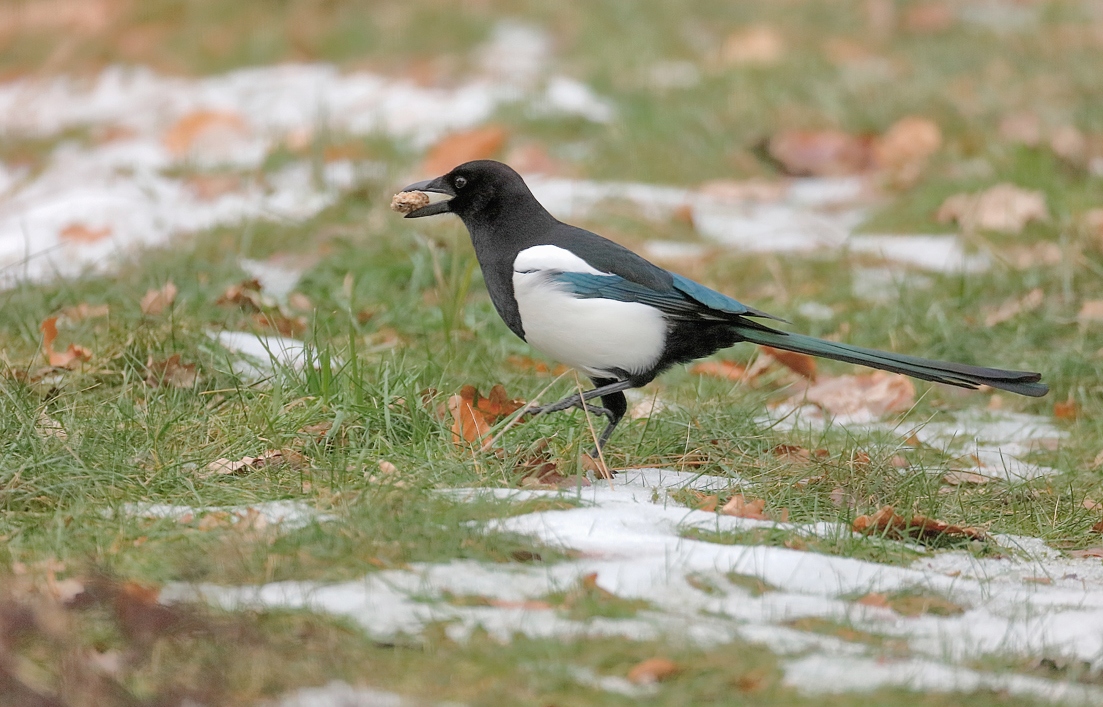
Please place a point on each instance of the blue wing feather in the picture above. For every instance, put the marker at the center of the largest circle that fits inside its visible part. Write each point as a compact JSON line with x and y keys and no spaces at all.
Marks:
{"x":686,"y":297}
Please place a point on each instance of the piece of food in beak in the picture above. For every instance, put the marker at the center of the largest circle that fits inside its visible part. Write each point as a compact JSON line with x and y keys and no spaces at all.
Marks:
{"x":405,"y":202}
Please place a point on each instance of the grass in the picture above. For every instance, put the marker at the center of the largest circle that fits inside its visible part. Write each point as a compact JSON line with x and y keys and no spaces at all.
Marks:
{"x":399,"y":321}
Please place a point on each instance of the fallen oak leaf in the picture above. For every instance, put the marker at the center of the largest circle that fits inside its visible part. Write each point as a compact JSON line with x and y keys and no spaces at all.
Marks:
{"x":1004,"y":208}
{"x":653,"y":670}
{"x":85,"y":311}
{"x":473,"y":415}
{"x":70,"y":358}
{"x":1089,"y":552}
{"x":245,"y":294}
{"x":1013,"y":307}
{"x":727,"y":370}
{"x":740,"y":507}
{"x":524,"y":363}
{"x":959,"y":478}
{"x":79,"y":233}
{"x":268,"y":459}
{"x":170,"y":372}
{"x":457,"y":148}
{"x":801,"y":364}
{"x":862,"y":396}
{"x":889,"y":523}
{"x":156,"y":301}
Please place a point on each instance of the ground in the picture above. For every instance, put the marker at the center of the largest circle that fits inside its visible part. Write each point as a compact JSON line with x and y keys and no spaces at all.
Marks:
{"x":243,"y":405}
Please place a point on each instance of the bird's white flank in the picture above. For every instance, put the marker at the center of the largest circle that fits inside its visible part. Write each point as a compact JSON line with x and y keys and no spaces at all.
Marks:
{"x":595,"y":335}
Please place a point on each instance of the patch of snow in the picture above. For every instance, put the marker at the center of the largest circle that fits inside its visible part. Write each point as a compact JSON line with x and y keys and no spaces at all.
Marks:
{"x":884,"y":284}
{"x":934,"y":253}
{"x":998,"y":440}
{"x":817,"y":674}
{"x":567,"y":96}
{"x":274,"y":279}
{"x":288,"y":514}
{"x":256,"y":356}
{"x":123,"y":186}
{"x":816,"y":311}
{"x":339,"y":693}
{"x":631,"y":537}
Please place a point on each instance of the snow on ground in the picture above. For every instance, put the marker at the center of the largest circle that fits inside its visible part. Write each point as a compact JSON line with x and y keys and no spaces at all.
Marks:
{"x":631,"y":537}
{"x":995,"y":440}
{"x":126,"y":186}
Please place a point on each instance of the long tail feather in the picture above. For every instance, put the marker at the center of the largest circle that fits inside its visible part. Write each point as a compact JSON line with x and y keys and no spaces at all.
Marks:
{"x":1021,"y":382}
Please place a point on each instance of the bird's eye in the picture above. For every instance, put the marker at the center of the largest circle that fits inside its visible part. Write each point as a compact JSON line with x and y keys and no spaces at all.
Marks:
{"x":460,"y":182}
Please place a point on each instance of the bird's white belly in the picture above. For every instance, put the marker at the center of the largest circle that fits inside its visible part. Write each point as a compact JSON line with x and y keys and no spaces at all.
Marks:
{"x":595,"y":335}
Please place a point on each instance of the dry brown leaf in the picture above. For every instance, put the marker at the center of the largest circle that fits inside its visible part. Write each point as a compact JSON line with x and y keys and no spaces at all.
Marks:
{"x":245,"y":294}
{"x":79,"y":233}
{"x":202,"y":128}
{"x":727,"y":370}
{"x":1069,"y":144}
{"x":755,"y":45}
{"x":285,"y":325}
{"x":886,"y":521}
{"x":1091,"y":311}
{"x":1091,"y":505}
{"x":821,"y":153}
{"x":739,"y":507}
{"x":171,"y":372}
{"x":297,"y":300}
{"x":840,"y":497}
{"x":525,"y":363}
{"x":1067,"y":410}
{"x":705,"y":502}
{"x":527,"y":604}
{"x":1025,"y":128}
{"x":49,"y":427}
{"x":457,"y":148}
{"x":1004,"y":208}
{"x":82,"y":17}
{"x":387,"y":467}
{"x":653,"y":670}
{"x":1013,"y":307}
{"x":959,"y":478}
{"x":754,"y":190}
{"x":904,"y":149}
{"x":928,"y":17}
{"x":538,"y":470}
{"x":533,"y":158}
{"x":801,"y":364}
{"x":1093,"y":222}
{"x":1097,"y":528}
{"x":270,"y":458}
{"x":85,"y":311}
{"x":595,"y":467}
{"x":1090,"y":552}
{"x":156,"y":301}
{"x":864,"y":394}
{"x":875,"y":599}
{"x":473,"y":415}
{"x":71,"y":358}
{"x":208,"y":187}
{"x":860,"y":460}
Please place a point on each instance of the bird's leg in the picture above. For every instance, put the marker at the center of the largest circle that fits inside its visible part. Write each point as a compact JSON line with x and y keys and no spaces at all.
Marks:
{"x":615,"y":405}
{"x":578,"y":400}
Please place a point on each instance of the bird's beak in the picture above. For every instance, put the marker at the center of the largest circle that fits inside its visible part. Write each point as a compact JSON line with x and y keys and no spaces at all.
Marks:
{"x":438,"y":204}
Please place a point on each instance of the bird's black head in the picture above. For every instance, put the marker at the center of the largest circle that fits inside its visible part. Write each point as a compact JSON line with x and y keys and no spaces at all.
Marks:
{"x":474,"y":187}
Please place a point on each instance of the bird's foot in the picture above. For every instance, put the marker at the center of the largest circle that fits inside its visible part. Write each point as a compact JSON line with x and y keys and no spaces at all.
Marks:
{"x":560,"y":406}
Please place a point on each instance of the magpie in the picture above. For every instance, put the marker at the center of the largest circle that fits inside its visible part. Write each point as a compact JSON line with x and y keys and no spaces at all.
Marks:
{"x":601,"y":308}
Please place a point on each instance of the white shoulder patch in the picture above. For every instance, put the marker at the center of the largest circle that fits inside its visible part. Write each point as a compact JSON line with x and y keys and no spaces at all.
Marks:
{"x":551,"y":257}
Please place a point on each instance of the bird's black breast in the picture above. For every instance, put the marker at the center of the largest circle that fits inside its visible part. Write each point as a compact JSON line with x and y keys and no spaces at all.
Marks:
{"x":498,"y":275}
